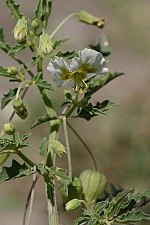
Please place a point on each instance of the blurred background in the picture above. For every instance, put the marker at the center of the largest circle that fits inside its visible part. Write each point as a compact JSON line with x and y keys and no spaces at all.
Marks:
{"x":120,"y":141}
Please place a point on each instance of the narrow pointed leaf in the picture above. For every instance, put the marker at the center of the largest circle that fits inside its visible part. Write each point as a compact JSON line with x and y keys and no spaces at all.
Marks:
{"x":14,"y":9}
{"x":8,"y":97}
{"x":43,"y":146}
{"x":43,"y":119}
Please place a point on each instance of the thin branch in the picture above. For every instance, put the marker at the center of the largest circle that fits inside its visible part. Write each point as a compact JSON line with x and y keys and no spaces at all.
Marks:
{"x":84,"y":144}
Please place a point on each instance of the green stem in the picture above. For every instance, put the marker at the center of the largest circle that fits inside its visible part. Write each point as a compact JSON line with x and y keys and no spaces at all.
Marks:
{"x":62,"y":23}
{"x":21,"y":86}
{"x":25,"y":158}
{"x":67,"y":146}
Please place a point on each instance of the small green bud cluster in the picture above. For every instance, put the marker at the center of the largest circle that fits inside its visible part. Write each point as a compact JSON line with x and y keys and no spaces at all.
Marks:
{"x":20,"y":108}
{"x":73,"y":204}
{"x":12,"y":70}
{"x":9,"y":128}
{"x":35,"y":24}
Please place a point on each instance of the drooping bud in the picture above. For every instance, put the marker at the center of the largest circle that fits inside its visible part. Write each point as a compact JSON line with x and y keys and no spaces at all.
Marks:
{"x":72,"y":204}
{"x":88,"y":18}
{"x":20,"y":30}
{"x":9,"y":128}
{"x":93,"y":184}
{"x":35,"y":24}
{"x":45,"y":44}
{"x":12,"y":70}
{"x":20,"y":108}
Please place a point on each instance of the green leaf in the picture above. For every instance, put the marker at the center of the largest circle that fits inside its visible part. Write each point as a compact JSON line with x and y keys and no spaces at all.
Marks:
{"x":14,"y":9}
{"x":59,"y":43}
{"x":97,"y":84}
{"x":14,"y":142}
{"x":89,"y":111}
{"x":41,"y":83}
{"x":43,"y":146}
{"x":103,"y":46}
{"x":132,"y":217}
{"x":43,"y":119}
{"x":43,"y":11}
{"x":67,"y":55}
{"x":114,"y":206}
{"x":8,"y":97}
{"x":16,"y":48}
{"x":3,"y":158}
{"x":3,"y":44}
{"x":57,"y":147}
{"x":62,"y":175}
{"x":3,"y":72}
{"x":35,"y":60}
{"x":16,"y":170}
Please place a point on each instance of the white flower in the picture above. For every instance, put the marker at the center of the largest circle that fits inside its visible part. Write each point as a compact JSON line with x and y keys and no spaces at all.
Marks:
{"x":89,"y":63}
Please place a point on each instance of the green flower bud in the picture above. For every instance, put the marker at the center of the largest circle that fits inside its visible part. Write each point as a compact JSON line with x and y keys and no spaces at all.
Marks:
{"x":88,"y":18}
{"x":93,"y":184}
{"x":20,"y":108}
{"x":45,"y":44}
{"x":9,"y":128}
{"x":35,"y":24}
{"x":20,"y":30}
{"x":72,"y":204}
{"x":12,"y":70}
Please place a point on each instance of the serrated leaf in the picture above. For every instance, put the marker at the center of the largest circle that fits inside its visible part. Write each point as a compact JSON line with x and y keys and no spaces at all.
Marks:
{"x":67,"y":55}
{"x":114,"y":206}
{"x":43,"y":146}
{"x":16,"y":170}
{"x":89,"y":111}
{"x":16,"y":142}
{"x":43,"y":11}
{"x":61,"y":174}
{"x":14,"y":9}
{"x":59,"y":43}
{"x":57,"y":147}
{"x":35,"y":60}
{"x":16,"y":48}
{"x":3,"y":44}
{"x":96,"y":84}
{"x":43,"y":119}
{"x":132,"y":217}
{"x":8,"y":97}
{"x":41,"y":83}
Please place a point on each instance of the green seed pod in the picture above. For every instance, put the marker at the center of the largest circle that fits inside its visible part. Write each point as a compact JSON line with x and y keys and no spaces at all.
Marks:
{"x":9,"y":128}
{"x":20,"y":108}
{"x":35,"y":24}
{"x":93,"y":184}
{"x":72,"y":204}
{"x":12,"y":70}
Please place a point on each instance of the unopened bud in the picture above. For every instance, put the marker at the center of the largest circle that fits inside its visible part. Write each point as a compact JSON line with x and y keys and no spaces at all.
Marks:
{"x":20,"y":108}
{"x":12,"y":70}
{"x":35,"y":24}
{"x":72,"y":204}
{"x":88,"y":18}
{"x":20,"y":30}
{"x":9,"y":128}
{"x":45,"y":44}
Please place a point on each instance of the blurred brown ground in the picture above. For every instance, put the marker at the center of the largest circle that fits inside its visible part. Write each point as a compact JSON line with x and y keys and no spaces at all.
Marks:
{"x":119,"y":141}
